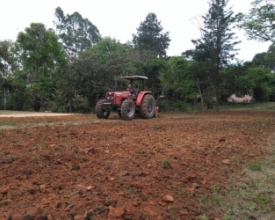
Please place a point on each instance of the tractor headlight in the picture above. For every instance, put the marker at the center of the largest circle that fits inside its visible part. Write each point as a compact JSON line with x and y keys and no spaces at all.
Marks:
{"x":110,"y":98}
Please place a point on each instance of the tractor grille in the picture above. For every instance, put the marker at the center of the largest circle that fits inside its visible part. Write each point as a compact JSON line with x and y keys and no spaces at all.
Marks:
{"x":109,"y":98}
{"x":107,"y":106}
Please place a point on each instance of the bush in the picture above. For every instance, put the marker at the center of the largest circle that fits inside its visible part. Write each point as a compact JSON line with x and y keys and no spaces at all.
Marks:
{"x":164,"y":105}
{"x":183,"y":106}
{"x":261,"y":94}
{"x":80,"y":104}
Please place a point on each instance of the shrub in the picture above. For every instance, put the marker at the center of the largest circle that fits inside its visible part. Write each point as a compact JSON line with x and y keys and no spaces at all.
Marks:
{"x":165,"y":164}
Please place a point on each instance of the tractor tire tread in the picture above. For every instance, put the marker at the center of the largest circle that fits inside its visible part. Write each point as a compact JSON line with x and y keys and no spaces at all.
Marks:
{"x":147,"y":109}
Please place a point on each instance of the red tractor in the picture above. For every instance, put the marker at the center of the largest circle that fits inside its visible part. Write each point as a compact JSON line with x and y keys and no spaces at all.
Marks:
{"x":128,"y":102}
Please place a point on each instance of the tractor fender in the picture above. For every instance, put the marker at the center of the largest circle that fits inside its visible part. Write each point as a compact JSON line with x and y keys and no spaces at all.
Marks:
{"x":141,"y":96}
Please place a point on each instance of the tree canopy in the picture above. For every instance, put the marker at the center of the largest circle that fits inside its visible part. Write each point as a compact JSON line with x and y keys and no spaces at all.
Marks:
{"x":150,"y":36}
{"x":216,"y":46}
{"x":70,"y":68}
{"x":7,"y":59}
{"x":259,"y":23}
{"x":41,"y":56}
{"x":77,"y":33}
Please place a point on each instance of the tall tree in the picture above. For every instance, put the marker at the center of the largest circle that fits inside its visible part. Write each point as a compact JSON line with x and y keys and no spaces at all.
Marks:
{"x":42,"y":57}
{"x":77,"y":33}
{"x":259,"y":23}
{"x":216,"y":46}
{"x":7,"y":60}
{"x":8,"y":65}
{"x":150,"y":36}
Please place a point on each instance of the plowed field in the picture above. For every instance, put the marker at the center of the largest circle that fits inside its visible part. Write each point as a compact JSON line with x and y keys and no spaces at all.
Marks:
{"x":79,"y":167}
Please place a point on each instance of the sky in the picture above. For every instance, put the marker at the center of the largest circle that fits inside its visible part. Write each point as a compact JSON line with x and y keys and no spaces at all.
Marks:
{"x":119,"y":19}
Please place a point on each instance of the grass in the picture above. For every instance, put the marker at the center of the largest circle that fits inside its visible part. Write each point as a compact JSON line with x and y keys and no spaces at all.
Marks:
{"x":252,"y":194}
{"x":266,"y":106}
{"x":203,"y":217}
{"x":255,"y":166}
{"x":156,"y":127}
{"x":249,"y":194}
{"x":250,"y":197}
{"x":165,"y":163}
{"x":180,"y":190}
{"x":252,"y":107}
{"x":4,"y":125}
{"x":130,"y":190}
{"x":8,"y":123}
{"x":227,"y":218}
{"x":4,"y":112}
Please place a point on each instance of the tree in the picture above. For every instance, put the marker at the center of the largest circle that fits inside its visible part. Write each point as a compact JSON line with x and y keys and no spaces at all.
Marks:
{"x":7,"y":66}
{"x":150,"y":37}
{"x":260,"y":59}
{"x":265,"y":59}
{"x":77,"y":33}
{"x":94,"y":71}
{"x":259,"y":23}
{"x":216,"y":46}
{"x":177,"y":79}
{"x":258,"y":80}
{"x":7,"y":60}
{"x":270,"y":57}
{"x":153,"y":68}
{"x":199,"y":68}
{"x":113,"y":57}
{"x":235,"y":81}
{"x":42,"y":58}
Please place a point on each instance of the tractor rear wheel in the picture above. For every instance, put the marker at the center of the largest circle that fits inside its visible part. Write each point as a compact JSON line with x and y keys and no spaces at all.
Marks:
{"x":100,"y":113}
{"x":147,"y":108}
{"x":128,"y":109}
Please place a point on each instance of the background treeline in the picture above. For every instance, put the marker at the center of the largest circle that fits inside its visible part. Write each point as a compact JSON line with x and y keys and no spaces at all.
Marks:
{"x":68,"y":69}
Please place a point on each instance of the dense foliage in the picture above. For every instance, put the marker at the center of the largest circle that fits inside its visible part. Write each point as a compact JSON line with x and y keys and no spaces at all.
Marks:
{"x":69,"y":69}
{"x":150,"y":37}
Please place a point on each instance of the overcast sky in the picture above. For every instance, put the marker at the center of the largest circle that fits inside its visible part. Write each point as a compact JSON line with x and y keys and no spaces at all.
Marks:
{"x":120,"y":18}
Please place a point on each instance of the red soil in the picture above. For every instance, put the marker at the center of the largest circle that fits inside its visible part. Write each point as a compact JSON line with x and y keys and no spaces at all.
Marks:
{"x":78,"y":167}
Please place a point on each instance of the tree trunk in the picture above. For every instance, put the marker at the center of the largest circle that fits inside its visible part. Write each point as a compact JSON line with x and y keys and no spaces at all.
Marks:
{"x":200,"y":93}
{"x":70,"y":104}
{"x":5,"y":99}
{"x":217,"y":104}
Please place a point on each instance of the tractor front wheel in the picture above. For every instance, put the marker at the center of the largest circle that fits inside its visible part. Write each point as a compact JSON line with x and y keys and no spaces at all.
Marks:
{"x":147,"y":108}
{"x":128,"y":109}
{"x":101,"y":113}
